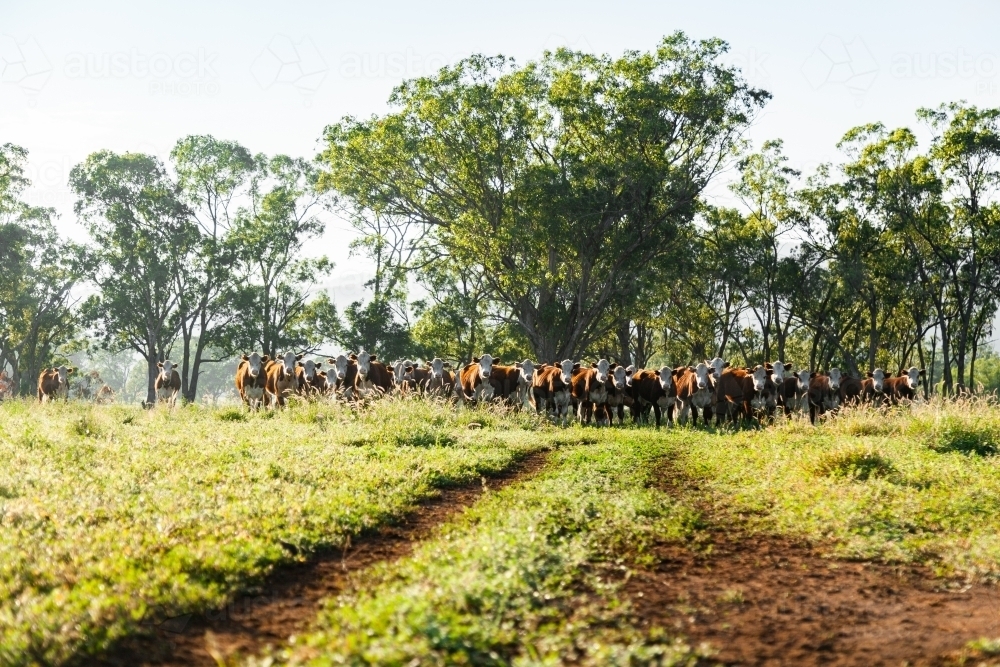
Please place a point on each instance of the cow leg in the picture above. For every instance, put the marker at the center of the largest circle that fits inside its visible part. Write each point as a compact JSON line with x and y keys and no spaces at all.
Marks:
{"x":621,"y":414}
{"x":658,"y":413}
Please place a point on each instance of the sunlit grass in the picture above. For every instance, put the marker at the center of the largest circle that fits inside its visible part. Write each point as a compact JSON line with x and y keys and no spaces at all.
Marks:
{"x":112,"y":514}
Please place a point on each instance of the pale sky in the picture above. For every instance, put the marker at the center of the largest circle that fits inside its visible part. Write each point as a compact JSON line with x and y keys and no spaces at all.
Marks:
{"x":136,"y":76}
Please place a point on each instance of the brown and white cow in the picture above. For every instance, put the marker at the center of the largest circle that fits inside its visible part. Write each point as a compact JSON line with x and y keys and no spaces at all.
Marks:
{"x":695,"y":389}
{"x":525,"y":378}
{"x":794,"y":392}
{"x":251,"y":380}
{"x":442,"y":380}
{"x":375,"y":375}
{"x":904,"y":386}
{"x":168,"y":383}
{"x":551,"y":389}
{"x":589,"y":390}
{"x":473,"y":381}
{"x":824,"y":393}
{"x":505,"y":380}
{"x":741,"y":391}
{"x":777,"y":393}
{"x":282,"y":380}
{"x":653,"y":390}
{"x":53,"y":383}
{"x":309,"y":378}
{"x":415,"y":378}
{"x":619,"y":394}
{"x":345,"y":376}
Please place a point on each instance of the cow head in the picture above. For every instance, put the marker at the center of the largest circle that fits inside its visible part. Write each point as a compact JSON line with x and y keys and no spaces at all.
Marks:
{"x":254,"y":363}
{"x":702,"y":372}
{"x":602,"y":368}
{"x":717,"y":365}
{"x":803,"y":378}
{"x":666,"y":377}
{"x":878,"y":380}
{"x":309,"y":368}
{"x":166,"y":370}
{"x":64,"y":372}
{"x":364,"y":363}
{"x":913,"y":377}
{"x":485,"y":366}
{"x":620,"y":377}
{"x":779,"y":368}
{"x":566,"y":370}
{"x":339,"y":366}
{"x":759,"y":375}
{"x":527,"y":372}
{"x":288,"y":361}
{"x":835,"y":378}
{"x":437,"y":368}
{"x":629,"y":372}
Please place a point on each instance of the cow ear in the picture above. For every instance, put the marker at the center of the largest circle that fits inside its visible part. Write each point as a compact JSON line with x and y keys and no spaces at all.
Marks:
{"x":159,"y":364}
{"x":373,"y":357}
{"x":298,"y":356}
{"x":265,"y":358}
{"x":593,"y":364}
{"x":922,"y":371}
{"x":447,"y":364}
{"x":319,"y":364}
{"x":691,"y":368}
{"x":353,"y":357}
{"x":71,"y":369}
{"x":725,"y":364}
{"x":813,"y":375}
{"x":245,"y":358}
{"x":332,"y":362}
{"x":517,"y":364}
{"x":576,"y":366}
{"x":870,"y":374}
{"x":475,"y":360}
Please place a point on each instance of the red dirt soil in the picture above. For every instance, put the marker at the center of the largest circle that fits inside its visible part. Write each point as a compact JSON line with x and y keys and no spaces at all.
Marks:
{"x":770,"y":600}
{"x":288,"y":601}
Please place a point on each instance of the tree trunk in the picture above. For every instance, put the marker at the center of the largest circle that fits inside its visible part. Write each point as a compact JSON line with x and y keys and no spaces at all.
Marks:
{"x":624,"y":332}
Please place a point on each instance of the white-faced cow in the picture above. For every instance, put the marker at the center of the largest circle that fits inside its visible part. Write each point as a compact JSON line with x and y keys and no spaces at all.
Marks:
{"x":473,"y":381}
{"x":53,"y":383}
{"x":824,"y":393}
{"x":904,"y":386}
{"x":168,"y":383}
{"x":695,"y":391}
{"x":251,"y":380}
{"x":589,"y":389}
{"x":282,"y":380}
{"x":653,"y":390}
{"x":551,"y":389}
{"x":525,"y":378}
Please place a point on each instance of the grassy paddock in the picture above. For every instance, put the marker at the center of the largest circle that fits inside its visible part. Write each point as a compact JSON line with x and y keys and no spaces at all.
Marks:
{"x":109,"y":514}
{"x":912,"y":484}
{"x":529,"y":576}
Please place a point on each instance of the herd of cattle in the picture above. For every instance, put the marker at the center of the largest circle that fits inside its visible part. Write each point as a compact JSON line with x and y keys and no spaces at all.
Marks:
{"x":596,"y":392}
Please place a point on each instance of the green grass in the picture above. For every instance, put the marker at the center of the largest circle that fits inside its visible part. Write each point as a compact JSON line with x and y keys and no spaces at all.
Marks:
{"x":916,"y":484}
{"x":112,"y":514}
{"x":529,"y":576}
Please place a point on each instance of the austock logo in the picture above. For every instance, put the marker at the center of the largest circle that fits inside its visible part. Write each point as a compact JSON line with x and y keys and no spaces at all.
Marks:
{"x":184,"y":74}
{"x":836,"y":62}
{"x":24,"y":64}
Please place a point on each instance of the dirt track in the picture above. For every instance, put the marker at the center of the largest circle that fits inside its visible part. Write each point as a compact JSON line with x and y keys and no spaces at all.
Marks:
{"x":289,"y":600}
{"x":768,"y":600}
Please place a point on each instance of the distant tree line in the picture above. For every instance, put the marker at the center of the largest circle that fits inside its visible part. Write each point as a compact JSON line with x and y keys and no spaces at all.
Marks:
{"x":548,"y":210}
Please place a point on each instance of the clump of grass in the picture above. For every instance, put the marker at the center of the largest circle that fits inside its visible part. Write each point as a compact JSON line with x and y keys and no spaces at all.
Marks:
{"x":232,"y":415}
{"x":984,"y":647}
{"x":85,"y":426}
{"x":857,"y":463}
{"x":732,"y":596}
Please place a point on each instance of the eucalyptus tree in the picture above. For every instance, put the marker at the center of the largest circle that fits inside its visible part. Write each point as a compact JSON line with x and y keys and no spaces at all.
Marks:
{"x":40,"y":270}
{"x":559,"y":182}
{"x":214,"y":178}
{"x":142,"y":238}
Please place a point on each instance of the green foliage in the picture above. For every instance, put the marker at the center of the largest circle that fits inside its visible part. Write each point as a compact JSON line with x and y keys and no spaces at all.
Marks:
{"x":553,"y":182}
{"x":39,"y":271}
